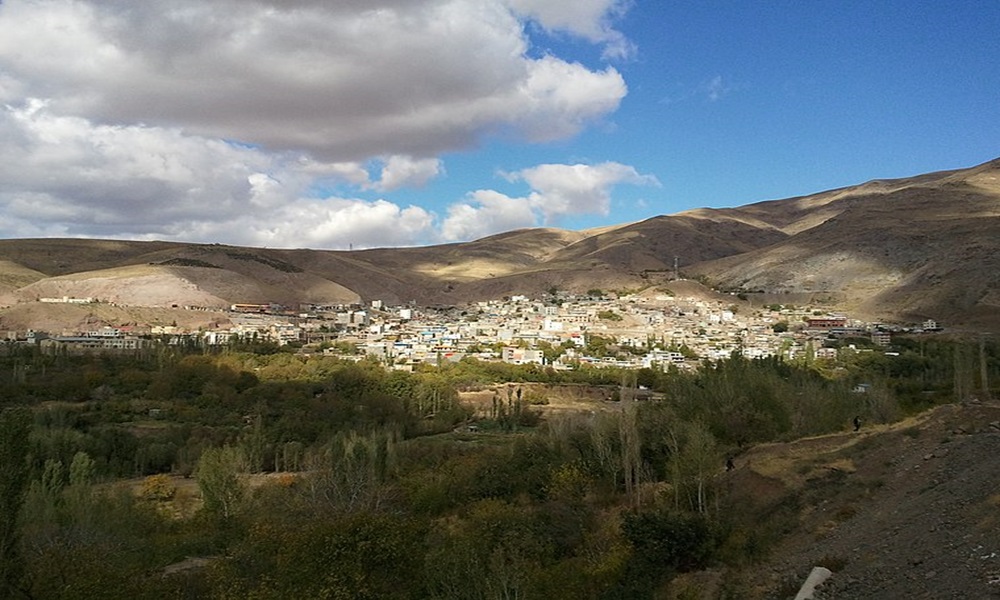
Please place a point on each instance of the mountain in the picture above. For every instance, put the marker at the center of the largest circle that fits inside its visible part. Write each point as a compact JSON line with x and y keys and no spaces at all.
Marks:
{"x":913,"y":248}
{"x":902,"y":249}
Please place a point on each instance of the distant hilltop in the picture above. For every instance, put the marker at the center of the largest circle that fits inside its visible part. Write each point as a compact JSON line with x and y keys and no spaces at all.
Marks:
{"x":911,"y":249}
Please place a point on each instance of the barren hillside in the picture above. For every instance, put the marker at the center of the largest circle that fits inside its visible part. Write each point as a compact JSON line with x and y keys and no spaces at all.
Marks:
{"x":909,"y":510}
{"x":903,"y":249}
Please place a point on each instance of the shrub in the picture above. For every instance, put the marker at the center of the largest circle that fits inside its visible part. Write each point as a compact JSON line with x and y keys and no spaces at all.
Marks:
{"x":157,"y":488}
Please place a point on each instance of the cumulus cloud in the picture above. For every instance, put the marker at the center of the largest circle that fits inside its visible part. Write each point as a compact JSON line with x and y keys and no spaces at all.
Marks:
{"x":344,"y":81}
{"x":590,"y":19}
{"x":65,"y":176}
{"x":556,"y":191}
{"x":484,"y":213}
{"x":105,"y":176}
{"x":327,"y":223}
{"x":577,"y":189}
{"x":405,"y":171}
{"x":243,"y":121}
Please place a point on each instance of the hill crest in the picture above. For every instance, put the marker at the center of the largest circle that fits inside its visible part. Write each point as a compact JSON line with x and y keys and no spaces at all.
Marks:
{"x":896,"y":249}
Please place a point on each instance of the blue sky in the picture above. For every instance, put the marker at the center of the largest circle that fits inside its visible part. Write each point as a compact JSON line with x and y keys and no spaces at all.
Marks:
{"x":391,"y":122}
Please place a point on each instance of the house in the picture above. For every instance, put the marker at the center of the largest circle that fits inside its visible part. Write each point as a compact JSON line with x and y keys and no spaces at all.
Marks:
{"x":931,"y":325}
{"x":826,"y":353}
{"x":881,"y":338}
{"x":827,"y":322}
{"x":522,"y":356}
{"x":88,"y":344}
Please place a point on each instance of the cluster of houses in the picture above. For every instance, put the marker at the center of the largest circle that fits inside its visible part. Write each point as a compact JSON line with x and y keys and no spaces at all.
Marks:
{"x":629,"y":330}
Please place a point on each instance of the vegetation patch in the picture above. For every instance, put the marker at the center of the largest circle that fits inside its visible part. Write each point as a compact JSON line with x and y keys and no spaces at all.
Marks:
{"x":187,"y":262}
{"x":320,"y":477}
{"x":280,"y":265}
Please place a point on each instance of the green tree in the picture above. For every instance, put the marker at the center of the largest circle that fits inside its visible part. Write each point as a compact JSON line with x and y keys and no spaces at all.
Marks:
{"x":82,"y":469}
{"x":218,"y":476}
{"x":349,"y":473}
{"x":609,"y":315}
{"x":53,"y":478}
{"x":597,"y":345}
{"x":664,"y":543}
{"x":15,"y":426}
{"x":253,"y":442}
{"x":694,"y":461}
{"x":364,"y":556}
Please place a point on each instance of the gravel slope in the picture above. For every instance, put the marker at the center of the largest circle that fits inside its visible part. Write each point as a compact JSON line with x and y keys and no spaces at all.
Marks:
{"x":915,"y":515}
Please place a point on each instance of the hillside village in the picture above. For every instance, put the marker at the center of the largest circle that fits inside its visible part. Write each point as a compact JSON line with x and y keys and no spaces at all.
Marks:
{"x":649,"y":329}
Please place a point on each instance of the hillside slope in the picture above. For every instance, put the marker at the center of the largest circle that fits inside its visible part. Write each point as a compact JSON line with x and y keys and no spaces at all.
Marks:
{"x":903,"y":249}
{"x":909,"y":510}
{"x":908,"y":249}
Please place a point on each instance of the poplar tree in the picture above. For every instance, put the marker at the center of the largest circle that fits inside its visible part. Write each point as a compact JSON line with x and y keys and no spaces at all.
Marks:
{"x":15,"y":426}
{"x":218,"y":476}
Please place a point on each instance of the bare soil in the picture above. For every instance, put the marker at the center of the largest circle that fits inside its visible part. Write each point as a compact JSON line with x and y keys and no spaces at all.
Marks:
{"x":57,"y":318}
{"x":910,"y":510}
{"x":550,"y":400}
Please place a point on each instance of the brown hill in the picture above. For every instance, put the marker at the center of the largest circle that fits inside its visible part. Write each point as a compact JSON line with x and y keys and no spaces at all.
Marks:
{"x":70,"y":318}
{"x":903,"y":249}
{"x":14,"y":276}
{"x":909,"y":249}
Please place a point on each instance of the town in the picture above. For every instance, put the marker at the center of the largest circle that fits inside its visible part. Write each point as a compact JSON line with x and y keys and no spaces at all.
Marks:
{"x":653,"y":328}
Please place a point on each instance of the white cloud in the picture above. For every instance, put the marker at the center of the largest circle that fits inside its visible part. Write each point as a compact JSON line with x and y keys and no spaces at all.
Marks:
{"x":556,"y":191}
{"x":239,"y":121}
{"x":486,"y":212}
{"x":64,"y":176}
{"x":560,"y":190}
{"x":111,"y":176}
{"x":350,"y":172}
{"x":715,"y":88}
{"x":327,"y":223}
{"x":711,"y":90}
{"x":405,"y":171}
{"x":344,"y":81}
{"x":589,"y":19}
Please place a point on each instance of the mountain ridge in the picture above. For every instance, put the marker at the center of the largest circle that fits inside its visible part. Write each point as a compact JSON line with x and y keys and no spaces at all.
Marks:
{"x":895,"y":249}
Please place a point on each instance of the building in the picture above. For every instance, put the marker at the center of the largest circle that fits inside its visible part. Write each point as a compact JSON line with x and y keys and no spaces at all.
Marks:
{"x":250,"y":308}
{"x":827,"y":322}
{"x":931,"y":325}
{"x":90,"y":344}
{"x":826,"y":353}
{"x":522,"y":356}
{"x":881,"y":338}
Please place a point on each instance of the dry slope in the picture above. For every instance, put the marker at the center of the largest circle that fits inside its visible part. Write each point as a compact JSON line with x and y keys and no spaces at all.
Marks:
{"x":910,"y":510}
{"x":904,"y":249}
{"x":927,"y":246}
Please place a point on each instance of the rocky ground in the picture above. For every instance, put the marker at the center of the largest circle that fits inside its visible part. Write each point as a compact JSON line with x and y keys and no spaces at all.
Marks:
{"x":910,"y":510}
{"x":59,"y":318}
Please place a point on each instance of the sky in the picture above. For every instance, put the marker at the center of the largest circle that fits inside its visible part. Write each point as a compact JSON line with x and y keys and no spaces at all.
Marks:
{"x":373,"y":123}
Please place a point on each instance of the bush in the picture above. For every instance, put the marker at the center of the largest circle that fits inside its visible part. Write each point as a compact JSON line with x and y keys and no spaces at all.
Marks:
{"x":665,"y":540}
{"x":157,"y":488}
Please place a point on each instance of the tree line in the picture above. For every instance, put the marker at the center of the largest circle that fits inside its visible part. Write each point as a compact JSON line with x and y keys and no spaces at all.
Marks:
{"x":327,"y":479}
